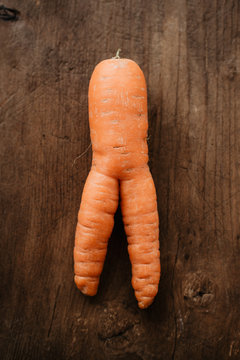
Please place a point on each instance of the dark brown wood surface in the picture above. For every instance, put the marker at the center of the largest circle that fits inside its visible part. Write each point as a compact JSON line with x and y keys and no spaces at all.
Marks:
{"x":190,"y":54}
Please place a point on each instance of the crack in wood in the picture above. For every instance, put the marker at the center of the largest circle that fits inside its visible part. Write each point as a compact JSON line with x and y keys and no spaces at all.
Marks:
{"x":175,"y":315}
{"x":53,"y":312}
{"x":177,"y":251}
{"x":8,"y":14}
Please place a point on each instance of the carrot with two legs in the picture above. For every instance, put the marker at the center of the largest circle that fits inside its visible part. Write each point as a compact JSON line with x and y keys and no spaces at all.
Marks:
{"x":118,"y":128}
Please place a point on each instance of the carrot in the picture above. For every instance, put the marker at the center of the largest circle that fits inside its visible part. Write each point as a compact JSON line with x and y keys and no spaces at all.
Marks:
{"x":118,"y":128}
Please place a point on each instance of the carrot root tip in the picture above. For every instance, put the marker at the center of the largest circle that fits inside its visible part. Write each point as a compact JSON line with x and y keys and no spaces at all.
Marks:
{"x":141,"y":305}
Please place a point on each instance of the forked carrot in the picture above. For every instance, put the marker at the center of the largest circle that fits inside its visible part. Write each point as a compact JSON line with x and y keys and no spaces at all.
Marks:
{"x":118,"y":127}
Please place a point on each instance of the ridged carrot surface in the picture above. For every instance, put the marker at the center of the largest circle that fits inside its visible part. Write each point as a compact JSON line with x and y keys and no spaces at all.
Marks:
{"x":118,"y":128}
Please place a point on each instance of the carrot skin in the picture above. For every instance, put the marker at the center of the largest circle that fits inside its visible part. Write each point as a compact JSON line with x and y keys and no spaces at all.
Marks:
{"x":142,"y":204}
{"x":95,"y":224}
{"x":118,"y":128}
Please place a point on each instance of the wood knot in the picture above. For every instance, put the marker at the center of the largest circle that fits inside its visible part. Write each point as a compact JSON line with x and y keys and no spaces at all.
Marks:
{"x":8,"y":14}
{"x":117,"y":328}
{"x":199,"y":290}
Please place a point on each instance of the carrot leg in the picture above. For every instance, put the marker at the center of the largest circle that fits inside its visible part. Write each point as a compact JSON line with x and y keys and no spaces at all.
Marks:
{"x":95,"y":223}
{"x":140,"y":217}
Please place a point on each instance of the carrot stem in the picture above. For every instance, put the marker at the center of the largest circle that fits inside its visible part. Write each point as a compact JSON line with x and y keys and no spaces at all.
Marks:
{"x":117,"y":54}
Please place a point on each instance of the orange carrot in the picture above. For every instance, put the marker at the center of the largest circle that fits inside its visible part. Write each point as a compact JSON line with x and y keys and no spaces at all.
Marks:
{"x":118,"y":127}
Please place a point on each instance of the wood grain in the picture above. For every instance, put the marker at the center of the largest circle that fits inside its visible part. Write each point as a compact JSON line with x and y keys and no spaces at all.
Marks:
{"x":189,"y":52}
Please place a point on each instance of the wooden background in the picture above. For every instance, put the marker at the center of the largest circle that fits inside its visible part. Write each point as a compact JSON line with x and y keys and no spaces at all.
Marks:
{"x":190,"y":54}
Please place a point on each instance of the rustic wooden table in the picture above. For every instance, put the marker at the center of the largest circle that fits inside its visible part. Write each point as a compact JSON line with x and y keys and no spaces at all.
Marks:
{"x":189,"y":52}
